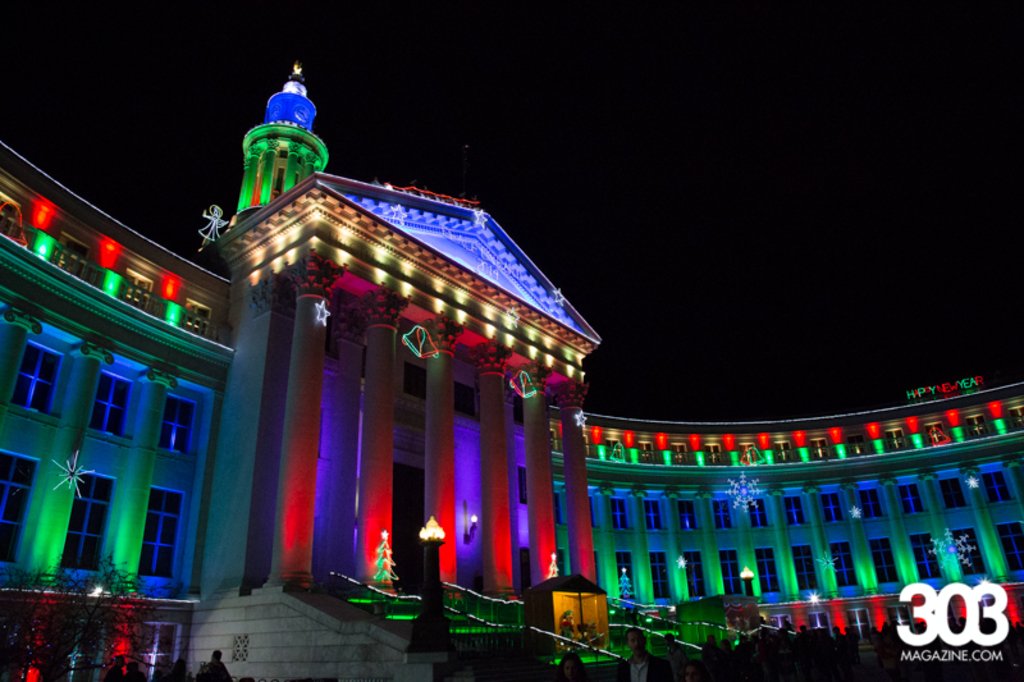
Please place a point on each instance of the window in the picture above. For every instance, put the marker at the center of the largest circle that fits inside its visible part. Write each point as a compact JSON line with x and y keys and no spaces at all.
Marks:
{"x":161,"y":534}
{"x":624,"y":560}
{"x":521,"y":474}
{"x":137,"y":289}
{"x":1012,"y":538}
{"x":766,"y":574}
{"x":803,"y":563}
{"x":177,"y":427}
{"x":659,"y":575}
{"x":731,"y":581}
{"x":831,"y":507}
{"x":936,"y":433}
{"x":758,"y":514}
{"x":15,"y":484}
{"x":517,"y":409}
{"x":723,"y":518}
{"x":952,"y":493}
{"x":619,"y":521}
{"x":111,"y":404}
{"x":817,"y":620}
{"x":976,"y":562}
{"x":558,"y":509}
{"x":899,"y":615}
{"x":1017,"y":416}
{"x":927,"y":563}
{"x":197,"y":318}
{"x":894,"y":439}
{"x":783,"y":451}
{"x":871,"y":507}
{"x":976,"y":425}
{"x":995,"y":486}
{"x":414,"y":381}
{"x":819,"y":446}
{"x":855,"y":445}
{"x":74,"y":255}
{"x":694,"y":574}
{"x":88,"y":522}
{"x":857,"y":619}
{"x":794,"y":510}
{"x":652,"y":514}
{"x":845,"y":574}
{"x":465,"y":399}
{"x":678,"y":453}
{"x":38,"y":373}
{"x":885,"y":564}
{"x":687,"y":514}
{"x":910,"y":498}
{"x":713,"y":453}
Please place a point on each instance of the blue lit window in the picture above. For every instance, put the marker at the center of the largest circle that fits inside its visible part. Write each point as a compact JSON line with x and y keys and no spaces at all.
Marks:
{"x":927,"y":564}
{"x":111,"y":404}
{"x":977,"y":564}
{"x":952,"y":493}
{"x":652,"y":514}
{"x":794,"y":510}
{"x":831,"y":507}
{"x":659,"y":575}
{"x":885,"y":564}
{"x":803,"y":563}
{"x":176,"y":432}
{"x":88,"y":523}
{"x":870,"y":506}
{"x":731,"y":582}
{"x":758,"y":514}
{"x":161,"y":534}
{"x":766,"y":574}
{"x":687,"y":515}
{"x":36,"y":378}
{"x":845,"y":574}
{"x":910,"y":498}
{"x":995,"y":486}
{"x":1012,"y":539}
{"x":723,"y":517}
{"x":558,"y":509}
{"x":619,"y":521}
{"x":15,"y":484}
{"x":694,"y":574}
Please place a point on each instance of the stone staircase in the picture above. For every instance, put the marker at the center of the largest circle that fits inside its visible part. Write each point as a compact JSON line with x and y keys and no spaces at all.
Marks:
{"x":521,"y":669}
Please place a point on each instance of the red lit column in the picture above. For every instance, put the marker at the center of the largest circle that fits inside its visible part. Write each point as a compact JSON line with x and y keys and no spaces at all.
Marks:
{"x":439,"y":439}
{"x":490,"y":358}
{"x":906,"y":567}
{"x":863,"y":564}
{"x":382,"y":306}
{"x":574,"y":460}
{"x":539,"y":482}
{"x":292,"y":559}
{"x":819,"y":543}
{"x":14,"y":329}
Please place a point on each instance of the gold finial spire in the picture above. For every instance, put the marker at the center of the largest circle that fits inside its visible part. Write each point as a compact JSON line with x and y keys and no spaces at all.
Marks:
{"x":297,"y":68}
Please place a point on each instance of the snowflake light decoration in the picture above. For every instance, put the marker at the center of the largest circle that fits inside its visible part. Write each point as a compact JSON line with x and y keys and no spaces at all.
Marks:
{"x":827,"y":562}
{"x":948,"y":548}
{"x":71,"y":474}
{"x":682,"y":563}
{"x":322,"y":313}
{"x":479,"y":218}
{"x":512,"y":317}
{"x":856,"y":512}
{"x":744,"y":491}
{"x":396,"y":213}
{"x":581,"y":419}
{"x":972,"y":482}
{"x":211,"y":232}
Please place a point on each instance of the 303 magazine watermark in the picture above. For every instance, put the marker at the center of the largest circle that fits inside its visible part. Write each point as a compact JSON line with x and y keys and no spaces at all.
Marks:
{"x":984,"y":603}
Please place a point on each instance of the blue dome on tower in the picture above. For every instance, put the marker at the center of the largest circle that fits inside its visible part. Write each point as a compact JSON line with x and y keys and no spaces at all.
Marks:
{"x":291,"y":104}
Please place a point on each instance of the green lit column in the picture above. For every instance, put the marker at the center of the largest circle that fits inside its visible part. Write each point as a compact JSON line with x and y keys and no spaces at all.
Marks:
{"x":267,"y":171}
{"x":863,"y":564}
{"x":990,"y":548}
{"x":746,"y":546}
{"x":819,"y":542}
{"x":14,"y":331}
{"x":539,"y":478}
{"x":783,"y":551}
{"x":906,"y":567}
{"x":1017,"y":476}
{"x":709,"y":544}
{"x":50,"y":508}
{"x":604,"y":539}
{"x":676,"y":577}
{"x":642,"y":586}
{"x":250,"y":169}
{"x":130,"y":504}
{"x":937,"y":523}
{"x":292,"y":164}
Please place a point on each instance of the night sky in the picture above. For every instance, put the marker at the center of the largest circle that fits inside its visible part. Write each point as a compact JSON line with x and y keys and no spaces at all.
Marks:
{"x":763,"y":213}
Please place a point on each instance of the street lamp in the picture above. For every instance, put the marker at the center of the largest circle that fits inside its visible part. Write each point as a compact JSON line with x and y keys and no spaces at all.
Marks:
{"x":747,"y":576}
{"x":430,"y":629}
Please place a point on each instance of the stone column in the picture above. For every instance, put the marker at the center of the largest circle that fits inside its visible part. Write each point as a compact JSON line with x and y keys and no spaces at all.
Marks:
{"x":267,"y":172}
{"x":291,"y":563}
{"x":988,"y":539}
{"x":819,"y":542}
{"x":490,"y":358}
{"x":376,"y":462}
{"x":783,"y":546}
{"x":539,"y":480}
{"x":50,"y":508}
{"x":709,"y":544}
{"x":607,"y":570}
{"x":14,"y":331}
{"x":863,"y":562}
{"x":676,"y":577}
{"x":1017,"y":476}
{"x":745,"y":550}
{"x":439,"y":439}
{"x":291,"y":166}
{"x":574,"y":460}
{"x":937,"y":524}
{"x":131,"y":503}
{"x":906,"y":567}
{"x":642,"y":584}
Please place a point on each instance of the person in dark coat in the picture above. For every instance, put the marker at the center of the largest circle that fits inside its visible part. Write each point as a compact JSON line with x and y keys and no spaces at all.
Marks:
{"x":116,"y":672}
{"x":641,"y":665}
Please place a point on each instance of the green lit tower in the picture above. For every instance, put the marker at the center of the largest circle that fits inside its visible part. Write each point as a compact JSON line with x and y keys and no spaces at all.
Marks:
{"x":283,"y":150}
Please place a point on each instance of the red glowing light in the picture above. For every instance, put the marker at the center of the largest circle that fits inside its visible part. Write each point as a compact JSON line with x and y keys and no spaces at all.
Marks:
{"x":661,"y":441}
{"x":874,"y":430}
{"x":109,"y":251}
{"x":629,"y":439}
{"x":996,"y":408}
{"x":801,"y":438}
{"x":762,"y":440}
{"x":694,"y":442}
{"x":171,"y":286}
{"x":729,"y":441}
{"x":953,"y":417}
{"x":595,"y":435}
{"x":43,"y":212}
{"x":836,"y":434}
{"x":912,"y":424}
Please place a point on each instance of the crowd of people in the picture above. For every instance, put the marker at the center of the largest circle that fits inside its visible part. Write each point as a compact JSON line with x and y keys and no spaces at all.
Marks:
{"x":213,"y":670}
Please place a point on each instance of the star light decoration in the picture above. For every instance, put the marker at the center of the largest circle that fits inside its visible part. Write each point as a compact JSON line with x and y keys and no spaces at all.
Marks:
{"x":71,"y":474}
{"x":856,"y":512}
{"x":682,"y":563}
{"x":512,"y":317}
{"x":972,"y":482}
{"x":211,"y":232}
{"x":948,"y":548}
{"x":827,"y":562}
{"x":322,"y":313}
{"x":479,"y":217}
{"x":396,"y":213}
{"x":744,"y":491}
{"x":558,"y":296}
{"x":581,"y":419}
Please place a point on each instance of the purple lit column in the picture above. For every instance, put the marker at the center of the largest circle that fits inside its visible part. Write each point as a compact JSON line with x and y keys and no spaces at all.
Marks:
{"x":574,"y":455}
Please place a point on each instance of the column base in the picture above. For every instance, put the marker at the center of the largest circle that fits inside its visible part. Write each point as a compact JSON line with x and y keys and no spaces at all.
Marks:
{"x":430,"y":635}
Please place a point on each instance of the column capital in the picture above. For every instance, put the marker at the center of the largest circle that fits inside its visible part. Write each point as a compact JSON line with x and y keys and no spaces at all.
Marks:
{"x":158,"y":376}
{"x":446,"y":332}
{"x":539,"y":373}
{"x":22,"y":319}
{"x":927,"y":475}
{"x":887,"y":480}
{"x":93,"y":350}
{"x":776,"y":491}
{"x":349,"y":321}
{"x":810,"y":488}
{"x":605,"y":489}
{"x":969,"y":471}
{"x":672,"y":493}
{"x":382,"y":307}
{"x":637,"y":491}
{"x":1012,"y":463}
{"x":570,"y":394}
{"x":703,"y":494}
{"x":275,"y":292}
{"x":490,"y":357}
{"x":315,"y":274}
{"x":848,"y":485}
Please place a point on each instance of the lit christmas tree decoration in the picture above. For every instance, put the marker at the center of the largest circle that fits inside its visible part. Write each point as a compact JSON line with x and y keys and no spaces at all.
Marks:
{"x":972,"y":482}
{"x":625,"y":585}
{"x":553,"y":566}
{"x":856,"y":512}
{"x":211,"y":232}
{"x":950,"y":549}
{"x":385,"y":562}
{"x":827,"y":562}
{"x":322,"y":313}
{"x":419,"y":341}
{"x":681,"y":562}
{"x":522,"y":384}
{"x":744,"y":491}
{"x":71,"y":474}
{"x":581,"y":419}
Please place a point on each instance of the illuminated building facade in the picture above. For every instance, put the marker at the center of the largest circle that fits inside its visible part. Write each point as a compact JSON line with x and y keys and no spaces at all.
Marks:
{"x":373,"y":355}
